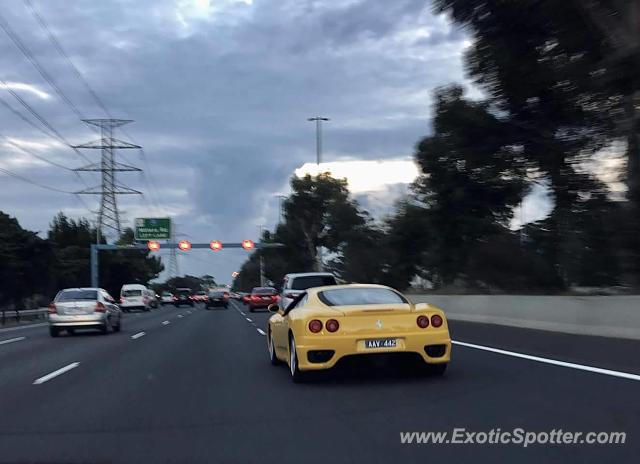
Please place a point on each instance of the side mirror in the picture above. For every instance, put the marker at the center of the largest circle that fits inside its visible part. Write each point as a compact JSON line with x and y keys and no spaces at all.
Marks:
{"x":273,"y":307}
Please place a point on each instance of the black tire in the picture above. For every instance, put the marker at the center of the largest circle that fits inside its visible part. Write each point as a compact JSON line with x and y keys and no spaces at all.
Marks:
{"x":70,"y":331}
{"x":252,"y":310}
{"x":117,"y":328}
{"x":297,"y":376}
{"x":437,"y":369}
{"x":54,"y":331}
{"x":272,"y":351}
{"x":104,"y":329}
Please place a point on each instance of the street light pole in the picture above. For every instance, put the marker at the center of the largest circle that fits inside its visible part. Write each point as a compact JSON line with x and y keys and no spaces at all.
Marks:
{"x":261,"y":261}
{"x":319,"y":120}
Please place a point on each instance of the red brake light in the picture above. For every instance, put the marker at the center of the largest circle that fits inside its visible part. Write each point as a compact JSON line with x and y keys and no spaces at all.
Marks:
{"x":100,"y":307}
{"x":436,"y":320}
{"x":52,"y":308}
{"x":332,"y":325}
{"x":422,"y":321}
{"x":315,"y":325}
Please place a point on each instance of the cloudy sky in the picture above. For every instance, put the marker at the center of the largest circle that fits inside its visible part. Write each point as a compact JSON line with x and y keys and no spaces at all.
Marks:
{"x":220,"y":91}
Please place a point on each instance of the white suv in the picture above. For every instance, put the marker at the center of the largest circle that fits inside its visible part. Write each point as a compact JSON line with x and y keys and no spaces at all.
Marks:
{"x":295,"y":284}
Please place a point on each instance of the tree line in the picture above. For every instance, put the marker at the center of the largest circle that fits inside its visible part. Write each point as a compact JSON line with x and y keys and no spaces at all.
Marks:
{"x":33,"y":269}
{"x":560,"y":108}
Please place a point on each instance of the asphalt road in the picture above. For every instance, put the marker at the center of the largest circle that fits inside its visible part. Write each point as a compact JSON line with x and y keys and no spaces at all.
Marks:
{"x":200,"y":389}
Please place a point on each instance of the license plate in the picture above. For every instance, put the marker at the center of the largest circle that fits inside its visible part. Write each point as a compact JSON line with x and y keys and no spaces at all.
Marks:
{"x":380,"y":343}
{"x":266,"y":297}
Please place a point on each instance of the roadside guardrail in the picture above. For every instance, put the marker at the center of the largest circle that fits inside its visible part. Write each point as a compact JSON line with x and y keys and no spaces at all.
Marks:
{"x":605,"y":316}
{"x":19,"y":315}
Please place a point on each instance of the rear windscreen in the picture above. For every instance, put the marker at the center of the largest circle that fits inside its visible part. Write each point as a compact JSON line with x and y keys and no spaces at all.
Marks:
{"x":264,"y":291}
{"x":304,"y":283}
{"x":216,"y":294}
{"x":75,"y":295}
{"x":183,"y":292}
{"x":132,"y":293}
{"x":360,"y":296}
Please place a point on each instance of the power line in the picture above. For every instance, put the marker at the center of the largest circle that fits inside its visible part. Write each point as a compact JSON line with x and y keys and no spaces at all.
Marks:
{"x":43,"y":121}
{"x":32,"y":182}
{"x":35,"y":155}
{"x":45,"y":75}
{"x":60,"y":50}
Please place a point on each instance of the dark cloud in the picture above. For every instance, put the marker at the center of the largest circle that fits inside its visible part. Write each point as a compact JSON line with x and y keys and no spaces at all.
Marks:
{"x":221,"y":100}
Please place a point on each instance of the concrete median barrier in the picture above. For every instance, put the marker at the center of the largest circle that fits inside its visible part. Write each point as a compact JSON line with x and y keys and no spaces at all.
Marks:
{"x":607,"y":316}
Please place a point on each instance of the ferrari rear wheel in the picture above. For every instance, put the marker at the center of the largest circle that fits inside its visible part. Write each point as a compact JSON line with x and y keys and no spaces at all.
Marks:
{"x":272,"y":351}
{"x":296,"y":374}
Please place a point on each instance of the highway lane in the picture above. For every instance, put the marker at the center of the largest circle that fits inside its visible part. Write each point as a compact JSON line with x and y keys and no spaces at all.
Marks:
{"x":200,"y":389}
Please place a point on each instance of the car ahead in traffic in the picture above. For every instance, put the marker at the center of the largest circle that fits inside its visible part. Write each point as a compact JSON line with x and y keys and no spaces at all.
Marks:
{"x":84,"y":308}
{"x":218,"y":299}
{"x":183,"y":296}
{"x":200,"y":296}
{"x":262,"y":297}
{"x":326,"y":324}
{"x":166,"y":298}
{"x":294,"y":285}
{"x":135,"y":296}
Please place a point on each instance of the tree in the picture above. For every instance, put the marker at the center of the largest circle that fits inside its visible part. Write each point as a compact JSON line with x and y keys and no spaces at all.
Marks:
{"x":561,"y":82}
{"x":71,"y":241}
{"x":472,"y":178}
{"x":24,"y":262}
{"x":318,"y":213}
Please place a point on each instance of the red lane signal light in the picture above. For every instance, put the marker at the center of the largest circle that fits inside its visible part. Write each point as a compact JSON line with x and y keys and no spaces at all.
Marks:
{"x":153,"y":245}
{"x":248,"y":245}
{"x":184,"y":245}
{"x":215,"y":245}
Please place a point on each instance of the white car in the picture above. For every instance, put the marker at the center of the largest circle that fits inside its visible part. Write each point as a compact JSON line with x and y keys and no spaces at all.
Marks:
{"x":135,"y":296}
{"x":84,"y":308}
{"x":293,"y":285}
{"x":166,"y":298}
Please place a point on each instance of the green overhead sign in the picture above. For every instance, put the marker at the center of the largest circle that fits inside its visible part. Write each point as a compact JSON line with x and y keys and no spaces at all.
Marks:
{"x":153,"y":229}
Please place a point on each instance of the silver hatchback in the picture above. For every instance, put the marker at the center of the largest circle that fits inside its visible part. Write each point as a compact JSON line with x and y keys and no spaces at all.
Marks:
{"x":84,"y":308}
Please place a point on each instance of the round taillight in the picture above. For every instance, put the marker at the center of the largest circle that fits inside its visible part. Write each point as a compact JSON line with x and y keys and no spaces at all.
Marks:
{"x":436,"y":320}
{"x":315,"y":326}
{"x":332,"y":325}
{"x":423,"y":322}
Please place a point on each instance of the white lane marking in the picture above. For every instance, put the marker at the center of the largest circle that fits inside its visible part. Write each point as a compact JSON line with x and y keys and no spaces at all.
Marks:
{"x":22,"y":327}
{"x":166,"y":322}
{"x":11,"y":340}
{"x":242,"y":313}
{"x":180,"y":316}
{"x":261,"y":332}
{"x":555,"y":362}
{"x":249,"y":320}
{"x":138,"y":335}
{"x":55,"y":374}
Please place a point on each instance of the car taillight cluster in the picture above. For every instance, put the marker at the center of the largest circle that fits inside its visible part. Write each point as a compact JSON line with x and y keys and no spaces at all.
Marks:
{"x":52,"y":309}
{"x":121,"y":299}
{"x":423,"y":321}
{"x":332,"y":325}
{"x":315,"y":325}
{"x":100,"y":307}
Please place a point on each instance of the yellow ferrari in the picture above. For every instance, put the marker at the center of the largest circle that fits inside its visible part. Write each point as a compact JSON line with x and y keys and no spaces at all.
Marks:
{"x":326,"y":324}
